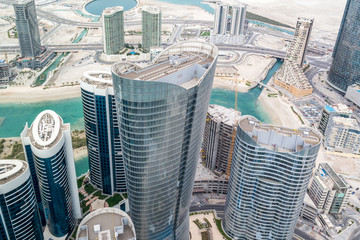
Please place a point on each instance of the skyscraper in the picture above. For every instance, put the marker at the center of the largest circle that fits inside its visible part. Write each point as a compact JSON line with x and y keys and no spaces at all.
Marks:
{"x":162,"y":110}
{"x":27,"y":28}
{"x":113,"y":29}
{"x":271,"y":169}
{"x":345,"y":68}
{"x":19,"y":214}
{"x":102,"y":132}
{"x":238,"y":17}
{"x":221,"y":18}
{"x":297,"y":49}
{"x":151,"y":27}
{"x":47,"y":144}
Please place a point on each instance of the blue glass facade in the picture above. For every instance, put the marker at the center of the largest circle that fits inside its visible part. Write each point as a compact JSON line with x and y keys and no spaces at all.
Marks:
{"x":19,"y":215}
{"x":267,"y":185}
{"x":345,"y":68}
{"x":30,"y":161}
{"x":161,"y":131}
{"x":103,"y":141}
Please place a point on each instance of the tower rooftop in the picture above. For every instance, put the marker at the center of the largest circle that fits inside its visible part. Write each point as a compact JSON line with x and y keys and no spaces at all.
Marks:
{"x":112,"y":10}
{"x":11,"y":169}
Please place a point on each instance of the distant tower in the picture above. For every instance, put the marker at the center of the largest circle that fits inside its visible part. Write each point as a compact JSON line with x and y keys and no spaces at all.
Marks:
{"x":271,"y":169}
{"x":27,"y":28}
{"x":19,"y":215}
{"x":113,"y":29}
{"x":162,"y":110}
{"x":219,"y":127}
{"x":238,"y":17}
{"x":297,"y":50}
{"x":52,"y":154}
{"x":345,"y":68}
{"x":221,"y":18}
{"x":151,"y":27}
{"x":102,"y":132}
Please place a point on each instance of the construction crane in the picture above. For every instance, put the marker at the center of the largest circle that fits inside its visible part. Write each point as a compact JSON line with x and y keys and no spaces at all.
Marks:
{"x":6,"y":58}
{"x":233,"y":133}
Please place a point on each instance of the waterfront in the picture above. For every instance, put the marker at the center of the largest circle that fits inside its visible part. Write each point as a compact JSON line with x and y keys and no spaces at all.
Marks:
{"x":96,"y":7}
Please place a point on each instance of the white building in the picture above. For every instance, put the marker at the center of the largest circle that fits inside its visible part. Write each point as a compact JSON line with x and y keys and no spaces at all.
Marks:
{"x":343,"y":134}
{"x":329,"y":191}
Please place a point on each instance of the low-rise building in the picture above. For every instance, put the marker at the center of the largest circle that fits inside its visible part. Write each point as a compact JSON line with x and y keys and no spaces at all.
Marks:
{"x":353,"y":94}
{"x":106,"y":223}
{"x":219,"y":129}
{"x":309,"y":211}
{"x":340,"y":110}
{"x":342,"y":135}
{"x":39,"y":61}
{"x":292,"y":79}
{"x":329,"y":191}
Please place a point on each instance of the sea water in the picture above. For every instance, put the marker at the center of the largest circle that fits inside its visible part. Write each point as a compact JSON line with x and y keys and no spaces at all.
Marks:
{"x":97,"y":7}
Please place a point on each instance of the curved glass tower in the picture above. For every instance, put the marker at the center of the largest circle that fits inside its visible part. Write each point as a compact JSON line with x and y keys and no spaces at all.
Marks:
{"x":151,"y":27}
{"x":345,"y":68}
{"x":162,"y":111}
{"x":52,"y":156}
{"x":271,"y":169}
{"x":113,"y":29}
{"x":19,"y":213}
{"x":102,"y":132}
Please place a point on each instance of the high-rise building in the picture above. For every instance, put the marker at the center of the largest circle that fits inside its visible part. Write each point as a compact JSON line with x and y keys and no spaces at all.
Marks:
{"x":102,"y":132}
{"x":162,"y":110}
{"x":343,"y":135}
{"x":297,"y":49}
{"x":238,"y":17}
{"x":271,"y":169}
{"x":219,"y":128}
{"x":339,"y":110}
{"x":109,"y":222}
{"x":48,"y":150}
{"x":345,"y":68}
{"x":4,"y":74}
{"x":27,"y":28}
{"x":19,"y":214}
{"x":113,"y":30}
{"x":328,"y":190}
{"x":353,"y":94}
{"x":221,"y":18}
{"x":151,"y":27}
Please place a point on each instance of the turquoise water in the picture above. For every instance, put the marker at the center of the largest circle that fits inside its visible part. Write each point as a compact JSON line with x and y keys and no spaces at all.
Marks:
{"x":96,"y":7}
{"x":81,"y":166}
{"x":16,"y":115}
{"x":43,"y":76}
{"x":198,"y":3}
{"x":82,"y":34}
{"x":272,"y":27}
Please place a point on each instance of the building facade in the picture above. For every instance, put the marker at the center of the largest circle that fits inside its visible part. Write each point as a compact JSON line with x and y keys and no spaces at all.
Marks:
{"x":343,"y":135}
{"x":102,"y":130}
{"x":219,"y":128}
{"x":329,"y":191}
{"x":353,"y":94}
{"x":345,"y":68}
{"x":151,"y":27}
{"x":48,"y":150}
{"x":162,"y":109}
{"x":339,"y":110}
{"x":4,"y":74}
{"x":19,"y":213}
{"x":113,"y":30}
{"x":27,"y":28}
{"x":221,"y":18}
{"x":271,"y":169}
{"x":238,"y":18}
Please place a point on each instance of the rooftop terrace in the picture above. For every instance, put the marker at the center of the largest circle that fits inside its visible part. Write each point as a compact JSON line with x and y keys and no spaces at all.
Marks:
{"x":112,"y":10}
{"x":106,"y":224}
{"x":327,"y":173}
{"x":11,"y":169}
{"x":278,"y":138}
{"x":223,"y":114}
{"x":102,"y":79}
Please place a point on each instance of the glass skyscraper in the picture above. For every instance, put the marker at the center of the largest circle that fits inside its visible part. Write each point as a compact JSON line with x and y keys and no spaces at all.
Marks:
{"x":113,"y":30}
{"x":151,"y":27}
{"x":27,"y":28}
{"x":48,"y":148}
{"x":271,"y":169}
{"x":19,"y":214}
{"x":102,"y":132}
{"x":162,"y":110}
{"x":345,"y":68}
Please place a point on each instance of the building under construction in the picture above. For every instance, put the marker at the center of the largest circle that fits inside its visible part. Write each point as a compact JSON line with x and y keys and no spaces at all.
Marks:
{"x":4,"y":74}
{"x":219,"y":128}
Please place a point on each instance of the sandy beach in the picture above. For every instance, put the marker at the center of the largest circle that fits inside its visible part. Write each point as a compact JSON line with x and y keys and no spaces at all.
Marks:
{"x":38,"y":94}
{"x":80,"y":153}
